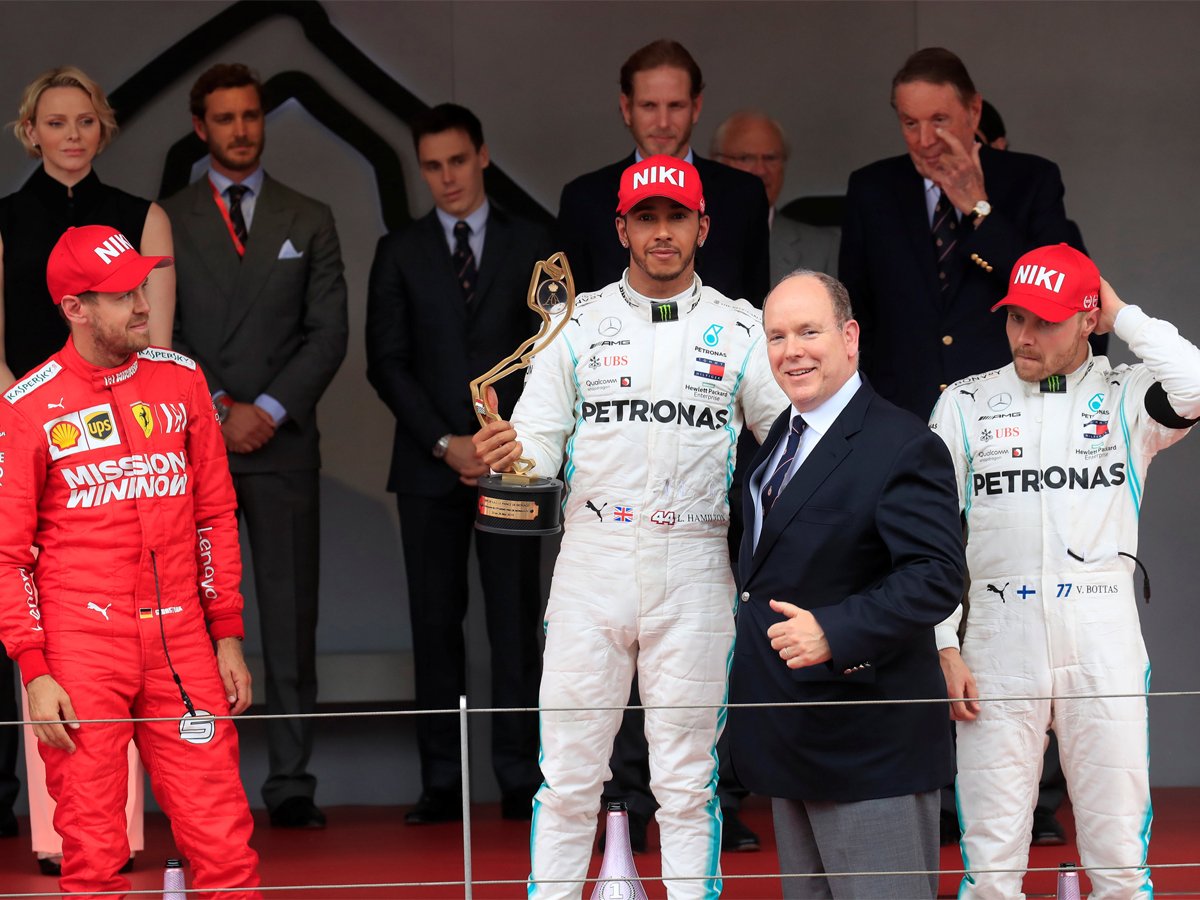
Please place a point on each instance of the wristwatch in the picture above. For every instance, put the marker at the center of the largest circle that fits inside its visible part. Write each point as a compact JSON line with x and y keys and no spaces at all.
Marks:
{"x":223,"y":404}
{"x":440,"y":448}
{"x":981,"y":211}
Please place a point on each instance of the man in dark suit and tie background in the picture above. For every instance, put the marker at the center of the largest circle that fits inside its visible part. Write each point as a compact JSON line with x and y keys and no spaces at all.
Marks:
{"x":852,"y":552}
{"x":662,"y":93}
{"x":261,"y":306}
{"x":929,"y":237}
{"x":661,"y":98}
{"x":447,"y":302}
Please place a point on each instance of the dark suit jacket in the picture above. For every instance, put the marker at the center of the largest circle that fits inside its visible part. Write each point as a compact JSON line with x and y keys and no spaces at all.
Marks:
{"x":866,"y":536}
{"x":915,"y":339}
{"x":425,"y":345}
{"x":734,"y":259}
{"x":267,"y":323}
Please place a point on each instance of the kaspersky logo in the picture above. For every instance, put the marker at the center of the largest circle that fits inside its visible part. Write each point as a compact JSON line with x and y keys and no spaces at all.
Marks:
{"x":664,"y":312}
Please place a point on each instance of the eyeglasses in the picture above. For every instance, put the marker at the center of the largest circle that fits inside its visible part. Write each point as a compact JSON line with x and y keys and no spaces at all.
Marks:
{"x":767,"y":160}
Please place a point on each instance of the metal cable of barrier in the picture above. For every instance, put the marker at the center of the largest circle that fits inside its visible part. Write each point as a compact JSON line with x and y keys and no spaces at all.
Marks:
{"x":469,"y":882}
{"x":794,"y":704}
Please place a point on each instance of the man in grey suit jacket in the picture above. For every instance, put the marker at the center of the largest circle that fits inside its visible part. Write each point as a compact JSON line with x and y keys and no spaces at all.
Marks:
{"x":753,"y":142}
{"x":446,"y":303}
{"x":262,"y":309}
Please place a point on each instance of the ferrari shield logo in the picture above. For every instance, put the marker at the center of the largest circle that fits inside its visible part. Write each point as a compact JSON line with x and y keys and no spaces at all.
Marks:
{"x":142,"y":415}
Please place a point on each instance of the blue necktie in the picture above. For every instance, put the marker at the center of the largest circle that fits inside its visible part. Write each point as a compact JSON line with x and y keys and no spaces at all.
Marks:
{"x":773,"y":486}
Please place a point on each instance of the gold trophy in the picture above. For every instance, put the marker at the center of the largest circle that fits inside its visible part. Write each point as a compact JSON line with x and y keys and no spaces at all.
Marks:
{"x":520,"y":502}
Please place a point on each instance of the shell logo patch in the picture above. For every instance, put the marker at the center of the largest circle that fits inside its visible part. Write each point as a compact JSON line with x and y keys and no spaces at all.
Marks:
{"x":65,"y":436}
{"x":85,"y":429}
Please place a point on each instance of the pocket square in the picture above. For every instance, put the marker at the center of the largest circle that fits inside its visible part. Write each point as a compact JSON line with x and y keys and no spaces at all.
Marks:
{"x":287,"y":251}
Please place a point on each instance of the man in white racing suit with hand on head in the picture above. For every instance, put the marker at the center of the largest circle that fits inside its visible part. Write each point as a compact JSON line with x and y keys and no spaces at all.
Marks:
{"x":642,"y":396}
{"x":1051,"y":455}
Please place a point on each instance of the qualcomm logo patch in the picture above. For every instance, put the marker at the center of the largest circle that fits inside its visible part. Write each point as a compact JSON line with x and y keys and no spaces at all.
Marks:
{"x":197,"y":729}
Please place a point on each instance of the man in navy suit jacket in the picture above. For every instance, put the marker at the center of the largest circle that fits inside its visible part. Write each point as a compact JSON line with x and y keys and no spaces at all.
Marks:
{"x":852,"y":550}
{"x":661,"y":98}
{"x":925,"y":322}
{"x":435,"y":320}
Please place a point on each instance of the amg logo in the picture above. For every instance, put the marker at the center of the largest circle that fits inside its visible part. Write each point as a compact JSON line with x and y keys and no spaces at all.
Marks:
{"x":1011,"y":481}
{"x":665,"y":411}
{"x":658,"y":175}
{"x":1040,"y":276}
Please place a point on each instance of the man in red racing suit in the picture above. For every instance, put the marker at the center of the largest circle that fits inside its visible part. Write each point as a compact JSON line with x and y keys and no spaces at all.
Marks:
{"x":119,"y":566}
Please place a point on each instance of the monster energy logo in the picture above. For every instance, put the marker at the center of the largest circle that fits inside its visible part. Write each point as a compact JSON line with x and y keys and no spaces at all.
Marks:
{"x":665,"y":312}
{"x":1054,"y":384}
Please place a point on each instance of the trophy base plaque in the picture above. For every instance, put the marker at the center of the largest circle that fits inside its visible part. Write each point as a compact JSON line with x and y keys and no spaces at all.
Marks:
{"x":517,"y":504}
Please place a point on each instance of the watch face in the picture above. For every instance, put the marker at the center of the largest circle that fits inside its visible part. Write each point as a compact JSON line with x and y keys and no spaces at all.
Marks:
{"x":983,"y":208}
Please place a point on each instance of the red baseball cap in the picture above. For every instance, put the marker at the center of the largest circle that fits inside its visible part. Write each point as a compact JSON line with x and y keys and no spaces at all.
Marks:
{"x":97,"y":258}
{"x":1053,"y":282}
{"x":660,"y":176}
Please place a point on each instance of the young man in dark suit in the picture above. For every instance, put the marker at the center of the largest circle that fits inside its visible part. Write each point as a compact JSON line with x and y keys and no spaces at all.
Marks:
{"x":662,"y":93}
{"x":929,"y":237}
{"x":851,"y":553}
{"x":447,"y":302}
{"x":261,"y":306}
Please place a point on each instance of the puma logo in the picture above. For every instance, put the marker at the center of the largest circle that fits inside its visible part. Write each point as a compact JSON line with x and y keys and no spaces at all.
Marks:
{"x":592,"y":507}
{"x":576,"y":319}
{"x":103,"y":612}
{"x":970,"y":394}
{"x":744,"y":325}
{"x":1000,"y":591}
{"x":58,"y":405}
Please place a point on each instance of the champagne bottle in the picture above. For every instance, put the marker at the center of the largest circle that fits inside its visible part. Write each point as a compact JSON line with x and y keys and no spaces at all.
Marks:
{"x":618,"y":876}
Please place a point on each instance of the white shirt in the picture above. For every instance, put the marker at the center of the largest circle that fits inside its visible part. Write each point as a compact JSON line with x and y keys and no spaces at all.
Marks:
{"x":816,"y":421}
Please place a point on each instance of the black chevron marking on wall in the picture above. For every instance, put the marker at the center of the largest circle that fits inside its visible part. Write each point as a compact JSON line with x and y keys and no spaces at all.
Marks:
{"x":239,"y":18}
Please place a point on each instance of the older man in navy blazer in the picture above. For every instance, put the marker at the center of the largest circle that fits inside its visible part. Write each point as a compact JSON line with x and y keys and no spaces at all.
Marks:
{"x":852,"y":551}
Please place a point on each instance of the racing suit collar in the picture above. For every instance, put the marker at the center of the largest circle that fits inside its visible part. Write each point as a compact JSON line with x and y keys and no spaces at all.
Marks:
{"x":1060,"y":384}
{"x":100,"y":378}
{"x":664,"y":310}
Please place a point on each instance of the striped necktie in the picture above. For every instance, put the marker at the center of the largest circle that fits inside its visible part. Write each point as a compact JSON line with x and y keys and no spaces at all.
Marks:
{"x":773,"y":486}
{"x":464,"y":261}
{"x":945,"y":236}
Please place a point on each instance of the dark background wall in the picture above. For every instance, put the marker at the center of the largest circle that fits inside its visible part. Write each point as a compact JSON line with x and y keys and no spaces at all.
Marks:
{"x":1108,"y":90}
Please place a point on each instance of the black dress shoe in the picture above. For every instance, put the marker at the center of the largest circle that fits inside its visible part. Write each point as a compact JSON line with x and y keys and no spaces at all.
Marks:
{"x":127,"y":868}
{"x":637,"y":833}
{"x":949,"y":832}
{"x":8,"y":825}
{"x":736,"y":836}
{"x":51,"y":866}
{"x":1046,"y":830}
{"x":297,"y":812}
{"x":433,"y":808}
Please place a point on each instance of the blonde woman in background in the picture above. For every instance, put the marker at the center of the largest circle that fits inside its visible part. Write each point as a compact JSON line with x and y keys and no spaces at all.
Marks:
{"x":65,"y":121}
